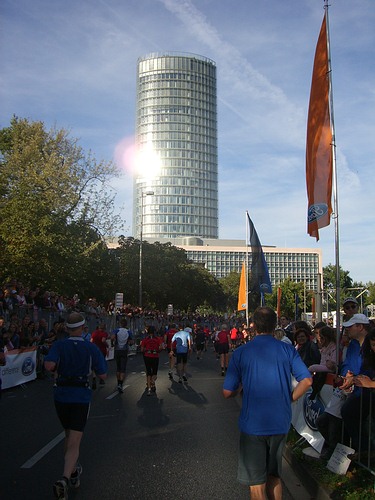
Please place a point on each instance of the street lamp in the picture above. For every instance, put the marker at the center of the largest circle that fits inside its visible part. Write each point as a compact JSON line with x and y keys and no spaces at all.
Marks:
{"x":143,"y":194}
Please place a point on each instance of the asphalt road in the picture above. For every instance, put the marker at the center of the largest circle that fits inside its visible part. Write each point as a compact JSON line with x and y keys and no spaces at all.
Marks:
{"x":180,"y":443}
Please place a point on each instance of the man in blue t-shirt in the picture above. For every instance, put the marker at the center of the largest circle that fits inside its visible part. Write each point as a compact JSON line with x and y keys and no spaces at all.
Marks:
{"x":72,"y":359}
{"x":263,"y":371}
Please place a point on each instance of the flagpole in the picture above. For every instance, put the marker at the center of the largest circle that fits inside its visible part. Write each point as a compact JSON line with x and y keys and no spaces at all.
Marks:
{"x":247,"y":269}
{"x":335,"y":214}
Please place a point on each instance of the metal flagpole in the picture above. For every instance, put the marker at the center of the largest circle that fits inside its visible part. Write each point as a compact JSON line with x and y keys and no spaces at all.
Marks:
{"x":335,"y":215}
{"x":247,"y":268}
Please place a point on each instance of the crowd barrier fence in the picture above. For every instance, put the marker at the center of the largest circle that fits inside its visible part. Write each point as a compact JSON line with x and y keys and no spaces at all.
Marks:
{"x":305,"y":413}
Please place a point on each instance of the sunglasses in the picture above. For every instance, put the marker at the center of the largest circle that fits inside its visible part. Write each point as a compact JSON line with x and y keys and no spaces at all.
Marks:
{"x":353,"y":306}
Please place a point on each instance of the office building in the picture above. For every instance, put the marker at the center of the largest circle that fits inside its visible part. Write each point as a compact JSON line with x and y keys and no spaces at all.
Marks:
{"x":175,"y":196}
{"x":176,"y":181}
{"x":220,"y":257}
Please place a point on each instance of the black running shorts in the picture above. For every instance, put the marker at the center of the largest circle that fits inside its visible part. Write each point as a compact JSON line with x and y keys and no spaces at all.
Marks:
{"x":73,"y":416}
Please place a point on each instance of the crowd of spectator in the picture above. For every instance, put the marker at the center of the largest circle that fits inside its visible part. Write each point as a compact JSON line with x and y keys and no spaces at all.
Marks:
{"x":36,"y":317}
{"x":33,"y":317}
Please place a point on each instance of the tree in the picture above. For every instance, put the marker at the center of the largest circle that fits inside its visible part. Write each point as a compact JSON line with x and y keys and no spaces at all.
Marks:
{"x":371,"y":293}
{"x":329,"y":278}
{"x":55,"y":208}
{"x":289,"y":290}
{"x":329,"y":285}
{"x":167,"y":277}
{"x":230,"y":285}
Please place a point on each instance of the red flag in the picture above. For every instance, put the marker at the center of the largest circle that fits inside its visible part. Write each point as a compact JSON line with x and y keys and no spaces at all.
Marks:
{"x":319,"y":158}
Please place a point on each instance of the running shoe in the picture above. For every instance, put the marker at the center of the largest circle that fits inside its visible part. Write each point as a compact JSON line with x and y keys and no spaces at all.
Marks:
{"x":170,"y":375}
{"x":60,"y":489}
{"x":180,"y":380}
{"x":120,"y":388}
{"x":148,"y":392}
{"x":75,"y":478}
{"x":184,"y":378}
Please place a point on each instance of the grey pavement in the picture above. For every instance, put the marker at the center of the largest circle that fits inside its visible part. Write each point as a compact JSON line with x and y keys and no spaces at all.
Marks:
{"x":179,"y":443}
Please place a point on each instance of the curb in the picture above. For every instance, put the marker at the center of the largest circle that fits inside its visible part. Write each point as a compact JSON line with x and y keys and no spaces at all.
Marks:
{"x":314,"y":489}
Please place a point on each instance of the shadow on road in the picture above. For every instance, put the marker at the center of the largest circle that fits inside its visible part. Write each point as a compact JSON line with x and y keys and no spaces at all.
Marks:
{"x":153,"y":415}
{"x":187,"y":393}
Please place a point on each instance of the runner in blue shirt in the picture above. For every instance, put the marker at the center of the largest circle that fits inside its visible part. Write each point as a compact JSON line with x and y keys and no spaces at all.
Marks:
{"x":263,"y":370}
{"x":182,"y":340}
{"x":72,"y":359}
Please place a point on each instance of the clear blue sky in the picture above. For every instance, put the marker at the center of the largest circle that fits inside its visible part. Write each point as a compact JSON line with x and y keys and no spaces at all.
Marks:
{"x":72,"y":64}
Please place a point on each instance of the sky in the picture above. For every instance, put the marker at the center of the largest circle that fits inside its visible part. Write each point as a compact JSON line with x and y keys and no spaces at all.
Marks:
{"x":73,"y":65}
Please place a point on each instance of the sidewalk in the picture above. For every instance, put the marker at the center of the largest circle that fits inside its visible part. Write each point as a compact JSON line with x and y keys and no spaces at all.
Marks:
{"x":298,"y":481}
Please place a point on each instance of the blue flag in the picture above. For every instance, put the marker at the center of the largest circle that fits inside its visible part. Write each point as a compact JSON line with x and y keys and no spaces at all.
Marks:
{"x":296,"y":300}
{"x":260,"y":278}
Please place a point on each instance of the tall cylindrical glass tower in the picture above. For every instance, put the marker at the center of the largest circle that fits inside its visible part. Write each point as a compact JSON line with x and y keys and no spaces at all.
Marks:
{"x":176,"y":178}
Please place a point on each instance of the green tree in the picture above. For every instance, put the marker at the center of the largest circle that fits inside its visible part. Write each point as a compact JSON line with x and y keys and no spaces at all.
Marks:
{"x":371,"y":293}
{"x":370,"y":298}
{"x":230,"y":285}
{"x":167,"y":277}
{"x":55,"y":207}
{"x":329,"y":285}
{"x":329,"y":278}
{"x":289,"y":290}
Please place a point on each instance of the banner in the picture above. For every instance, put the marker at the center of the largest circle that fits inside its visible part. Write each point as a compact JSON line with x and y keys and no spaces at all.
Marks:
{"x":260,"y":278}
{"x":319,"y":157}
{"x":305,"y":413}
{"x":20,"y":367}
{"x":242,"y":290}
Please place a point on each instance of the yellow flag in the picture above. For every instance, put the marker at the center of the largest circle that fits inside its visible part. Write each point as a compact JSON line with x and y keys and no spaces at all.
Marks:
{"x":242,"y":290}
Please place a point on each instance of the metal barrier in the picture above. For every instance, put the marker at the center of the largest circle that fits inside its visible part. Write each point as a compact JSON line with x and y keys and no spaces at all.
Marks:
{"x":136,"y":324}
{"x":366,"y":454}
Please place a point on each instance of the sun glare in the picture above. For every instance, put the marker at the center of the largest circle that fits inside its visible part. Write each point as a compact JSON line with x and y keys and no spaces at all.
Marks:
{"x":147,"y":163}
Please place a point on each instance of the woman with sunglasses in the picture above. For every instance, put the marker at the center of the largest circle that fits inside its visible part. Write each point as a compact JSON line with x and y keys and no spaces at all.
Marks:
{"x":350,"y":306}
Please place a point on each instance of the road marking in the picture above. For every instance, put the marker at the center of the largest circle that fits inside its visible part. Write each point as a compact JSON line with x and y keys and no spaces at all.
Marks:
{"x":46,"y":449}
{"x":41,"y":453}
{"x":114,"y":394}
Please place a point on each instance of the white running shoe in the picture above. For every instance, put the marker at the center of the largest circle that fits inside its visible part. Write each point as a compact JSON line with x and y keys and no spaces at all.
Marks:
{"x":75,"y":478}
{"x":60,"y":489}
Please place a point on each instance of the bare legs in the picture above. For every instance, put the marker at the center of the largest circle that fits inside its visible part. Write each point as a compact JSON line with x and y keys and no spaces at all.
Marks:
{"x":272,"y":490}
{"x":224,"y":362}
{"x":71,"y":451}
{"x":171,"y":362}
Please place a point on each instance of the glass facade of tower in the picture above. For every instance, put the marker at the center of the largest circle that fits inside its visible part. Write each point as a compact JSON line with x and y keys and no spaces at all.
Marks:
{"x":176,"y":179}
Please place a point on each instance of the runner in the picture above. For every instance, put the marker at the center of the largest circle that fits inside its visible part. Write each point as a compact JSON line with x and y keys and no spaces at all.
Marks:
{"x":122,"y":339}
{"x":171,"y":354}
{"x":99,"y":338}
{"x":72,"y":359}
{"x":223,"y":341}
{"x":183,"y":347}
{"x":200,"y":342}
{"x":151,"y":347}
